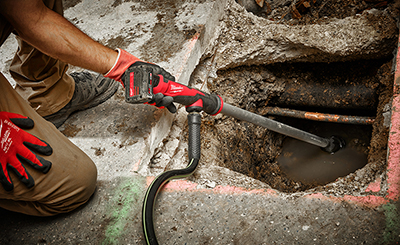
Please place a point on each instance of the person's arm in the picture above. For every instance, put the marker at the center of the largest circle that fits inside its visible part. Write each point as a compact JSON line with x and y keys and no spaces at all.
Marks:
{"x":55,"y":36}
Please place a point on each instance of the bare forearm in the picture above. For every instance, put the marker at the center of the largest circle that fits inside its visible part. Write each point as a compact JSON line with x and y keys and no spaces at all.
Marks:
{"x":57,"y":37}
{"x":62,"y":40}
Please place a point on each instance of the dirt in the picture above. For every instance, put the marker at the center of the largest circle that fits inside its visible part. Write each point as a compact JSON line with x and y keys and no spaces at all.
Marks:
{"x":306,"y":12}
{"x":380,"y":133}
{"x":70,"y":130}
{"x":251,"y":150}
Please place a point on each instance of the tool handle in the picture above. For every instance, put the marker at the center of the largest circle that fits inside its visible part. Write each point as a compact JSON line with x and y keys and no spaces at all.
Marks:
{"x":194,"y":122}
{"x":185,"y":95}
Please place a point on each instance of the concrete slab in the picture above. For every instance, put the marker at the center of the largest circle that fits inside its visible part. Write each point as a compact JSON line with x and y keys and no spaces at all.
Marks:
{"x":126,"y":139}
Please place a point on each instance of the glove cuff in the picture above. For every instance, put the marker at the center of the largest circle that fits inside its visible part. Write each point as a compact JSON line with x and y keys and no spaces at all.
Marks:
{"x":123,"y":62}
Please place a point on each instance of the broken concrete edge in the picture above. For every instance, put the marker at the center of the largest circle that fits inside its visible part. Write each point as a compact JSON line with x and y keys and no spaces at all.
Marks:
{"x":370,"y":201}
{"x":156,"y":136}
{"x":192,"y":52}
{"x":202,"y":41}
{"x":393,"y":154}
{"x":347,"y":40}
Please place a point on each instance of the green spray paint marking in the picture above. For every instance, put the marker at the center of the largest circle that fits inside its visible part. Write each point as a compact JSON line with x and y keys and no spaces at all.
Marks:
{"x":126,"y":204}
{"x":392,"y":230}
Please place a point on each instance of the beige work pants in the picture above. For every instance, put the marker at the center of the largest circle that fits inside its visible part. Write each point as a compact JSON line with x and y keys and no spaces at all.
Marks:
{"x":71,"y":179}
{"x":43,"y":82}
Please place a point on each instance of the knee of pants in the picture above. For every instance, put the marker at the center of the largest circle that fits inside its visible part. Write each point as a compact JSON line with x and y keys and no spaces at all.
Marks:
{"x":88,"y":182}
{"x":63,"y":196}
{"x":80,"y":188}
{"x":82,"y":185}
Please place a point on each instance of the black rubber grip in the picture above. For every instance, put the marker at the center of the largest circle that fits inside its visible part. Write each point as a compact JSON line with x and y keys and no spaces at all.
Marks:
{"x":194,"y":122}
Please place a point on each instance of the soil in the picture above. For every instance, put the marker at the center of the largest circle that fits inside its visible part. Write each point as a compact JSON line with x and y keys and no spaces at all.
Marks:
{"x":306,"y":12}
{"x":251,"y":150}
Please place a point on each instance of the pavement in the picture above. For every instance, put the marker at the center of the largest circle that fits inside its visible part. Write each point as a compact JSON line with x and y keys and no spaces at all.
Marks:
{"x":125,"y":138}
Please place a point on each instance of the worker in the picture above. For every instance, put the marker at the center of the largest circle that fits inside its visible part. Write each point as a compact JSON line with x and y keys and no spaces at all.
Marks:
{"x":42,"y":172}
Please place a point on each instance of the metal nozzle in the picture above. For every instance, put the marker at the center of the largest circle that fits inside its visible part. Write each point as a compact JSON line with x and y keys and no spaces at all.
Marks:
{"x":335,"y":143}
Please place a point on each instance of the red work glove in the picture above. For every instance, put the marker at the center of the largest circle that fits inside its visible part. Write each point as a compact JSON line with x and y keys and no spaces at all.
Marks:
{"x":126,"y":60}
{"x":16,"y":149}
{"x":123,"y":62}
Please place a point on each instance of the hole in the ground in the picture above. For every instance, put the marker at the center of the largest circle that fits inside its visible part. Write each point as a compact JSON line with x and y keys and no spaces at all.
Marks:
{"x":309,"y":164}
{"x":358,"y":88}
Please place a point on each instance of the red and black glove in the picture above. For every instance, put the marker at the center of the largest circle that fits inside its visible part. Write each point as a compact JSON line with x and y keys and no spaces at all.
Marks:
{"x":126,"y":60}
{"x":17,"y":148}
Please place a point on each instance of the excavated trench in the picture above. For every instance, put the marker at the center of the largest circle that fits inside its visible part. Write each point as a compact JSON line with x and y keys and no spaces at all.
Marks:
{"x":301,"y":70}
{"x":359,"y":88}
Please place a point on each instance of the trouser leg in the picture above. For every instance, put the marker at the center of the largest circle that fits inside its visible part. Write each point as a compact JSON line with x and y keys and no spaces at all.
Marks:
{"x":69,"y":183}
{"x":42,"y":80}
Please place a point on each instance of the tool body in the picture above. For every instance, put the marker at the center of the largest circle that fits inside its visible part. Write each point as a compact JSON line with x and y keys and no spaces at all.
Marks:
{"x":140,"y":90}
{"x":141,"y":86}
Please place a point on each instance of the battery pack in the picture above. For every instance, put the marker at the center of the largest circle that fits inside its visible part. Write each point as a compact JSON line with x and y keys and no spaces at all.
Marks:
{"x":138,"y":88}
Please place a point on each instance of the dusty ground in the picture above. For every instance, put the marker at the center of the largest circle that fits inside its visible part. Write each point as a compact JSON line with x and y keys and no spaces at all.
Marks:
{"x":251,"y":150}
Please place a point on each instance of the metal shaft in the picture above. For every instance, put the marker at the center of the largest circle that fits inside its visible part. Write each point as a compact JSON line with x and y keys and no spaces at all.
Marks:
{"x":270,"y":124}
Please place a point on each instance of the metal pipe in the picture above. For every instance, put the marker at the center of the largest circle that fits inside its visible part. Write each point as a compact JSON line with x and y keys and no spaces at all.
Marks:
{"x":354,"y":95}
{"x":278,"y":127}
{"x":317,"y":116}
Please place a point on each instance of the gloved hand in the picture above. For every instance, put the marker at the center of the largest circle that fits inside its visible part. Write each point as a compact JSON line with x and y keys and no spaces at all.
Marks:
{"x":162,"y":101}
{"x":126,"y":60}
{"x":16,"y":149}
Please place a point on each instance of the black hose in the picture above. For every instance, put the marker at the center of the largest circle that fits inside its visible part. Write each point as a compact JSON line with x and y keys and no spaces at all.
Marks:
{"x":194,"y":121}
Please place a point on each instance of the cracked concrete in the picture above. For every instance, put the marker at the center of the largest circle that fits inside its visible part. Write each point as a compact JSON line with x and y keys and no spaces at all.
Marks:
{"x":250,"y":40}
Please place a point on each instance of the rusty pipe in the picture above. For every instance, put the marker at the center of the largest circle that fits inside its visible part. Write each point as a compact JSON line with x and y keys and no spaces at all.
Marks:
{"x":277,"y":111}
